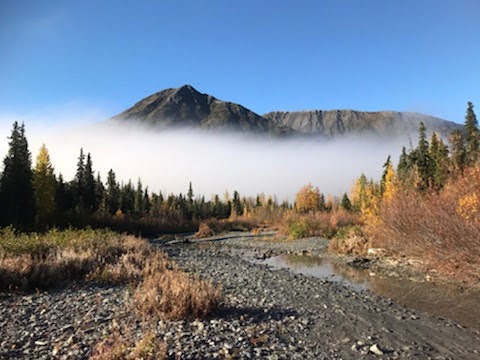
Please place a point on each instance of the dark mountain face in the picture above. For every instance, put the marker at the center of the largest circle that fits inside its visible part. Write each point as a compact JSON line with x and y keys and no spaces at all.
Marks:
{"x":185,"y":107}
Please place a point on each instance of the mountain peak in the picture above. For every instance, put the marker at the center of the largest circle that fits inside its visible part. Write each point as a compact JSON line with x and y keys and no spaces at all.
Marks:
{"x":186,"y":107}
{"x":186,"y":89}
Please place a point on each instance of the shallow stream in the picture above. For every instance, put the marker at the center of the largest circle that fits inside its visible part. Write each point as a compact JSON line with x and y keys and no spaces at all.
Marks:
{"x":449,"y":302}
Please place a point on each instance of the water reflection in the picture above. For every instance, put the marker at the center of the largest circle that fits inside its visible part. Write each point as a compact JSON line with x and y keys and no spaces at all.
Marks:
{"x":444,"y":301}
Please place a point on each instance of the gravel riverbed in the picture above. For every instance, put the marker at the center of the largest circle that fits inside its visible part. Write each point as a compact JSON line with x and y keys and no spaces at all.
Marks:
{"x":266,"y":314}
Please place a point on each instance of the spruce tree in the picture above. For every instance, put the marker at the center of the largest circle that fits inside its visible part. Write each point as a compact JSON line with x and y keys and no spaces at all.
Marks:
{"x":100,"y":201}
{"x":237,"y":204}
{"x":345,"y":203}
{"x":89,"y":186}
{"x":472,"y":136}
{"x":64,"y":199}
{"x":458,"y":156}
{"x":439,"y":162}
{"x":403,"y":167}
{"x":146,"y":202}
{"x":138,"y":205}
{"x":127,"y":198}
{"x":112,"y":194}
{"x":422,"y":159}
{"x":79,"y":182}
{"x":16,"y":190}
{"x":386,"y":166}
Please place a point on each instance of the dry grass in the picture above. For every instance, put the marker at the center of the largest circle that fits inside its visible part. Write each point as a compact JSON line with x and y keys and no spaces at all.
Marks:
{"x":30,"y":261}
{"x":162,"y":290}
{"x":324,"y":224}
{"x":117,"y":347}
{"x":440,"y":229}
{"x":175,"y":295}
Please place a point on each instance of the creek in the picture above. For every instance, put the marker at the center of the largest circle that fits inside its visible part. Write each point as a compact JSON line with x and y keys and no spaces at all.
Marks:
{"x":459,"y":305}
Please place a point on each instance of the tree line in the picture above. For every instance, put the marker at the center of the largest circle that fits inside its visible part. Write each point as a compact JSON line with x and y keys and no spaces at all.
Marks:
{"x":424,"y":169}
{"x":33,"y":197}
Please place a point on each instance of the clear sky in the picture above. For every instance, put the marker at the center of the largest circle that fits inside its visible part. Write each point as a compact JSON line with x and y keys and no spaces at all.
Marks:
{"x":409,"y":55}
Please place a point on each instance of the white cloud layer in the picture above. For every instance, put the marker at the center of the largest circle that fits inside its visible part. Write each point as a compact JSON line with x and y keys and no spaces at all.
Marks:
{"x":168,"y":161}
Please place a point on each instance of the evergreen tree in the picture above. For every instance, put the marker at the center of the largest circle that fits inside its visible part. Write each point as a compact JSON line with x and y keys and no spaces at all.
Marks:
{"x":113,"y":193}
{"x":458,"y":156}
{"x":44,"y":189}
{"x":404,"y":166}
{"x":386,"y":166}
{"x":89,"y":186}
{"x":60,"y":194}
{"x":146,"y":202}
{"x":472,"y":136}
{"x":190,"y":205}
{"x":190,"y":194}
{"x":100,"y":201}
{"x":16,"y":190}
{"x":422,"y":159}
{"x":237,"y":204}
{"x":439,"y":162}
{"x":64,"y":198}
{"x":138,"y":205}
{"x":127,"y":198}
{"x":79,"y":181}
{"x":217,"y":207}
{"x":345,"y":203}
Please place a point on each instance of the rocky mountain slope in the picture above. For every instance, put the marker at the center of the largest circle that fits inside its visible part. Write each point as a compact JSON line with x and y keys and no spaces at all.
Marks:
{"x":185,"y":107}
{"x":340,"y":122}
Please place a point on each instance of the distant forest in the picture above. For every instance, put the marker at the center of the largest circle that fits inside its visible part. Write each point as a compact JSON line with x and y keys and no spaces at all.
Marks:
{"x":35,"y":198}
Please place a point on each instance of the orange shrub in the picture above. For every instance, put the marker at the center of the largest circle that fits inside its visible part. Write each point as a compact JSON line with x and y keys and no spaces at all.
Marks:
{"x":441,"y":229}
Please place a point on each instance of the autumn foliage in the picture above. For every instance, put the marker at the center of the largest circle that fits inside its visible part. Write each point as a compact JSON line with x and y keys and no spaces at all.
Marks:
{"x":429,"y":209}
{"x":308,"y":199}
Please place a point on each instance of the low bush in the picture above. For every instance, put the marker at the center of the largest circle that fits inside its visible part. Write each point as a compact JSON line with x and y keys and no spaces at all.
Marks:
{"x":215,"y":226}
{"x":118,"y":347}
{"x":175,"y":295}
{"x":324,"y":224}
{"x":349,"y":240}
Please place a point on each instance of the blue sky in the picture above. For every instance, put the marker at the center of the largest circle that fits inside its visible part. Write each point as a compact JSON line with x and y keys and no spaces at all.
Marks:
{"x":103,"y":56}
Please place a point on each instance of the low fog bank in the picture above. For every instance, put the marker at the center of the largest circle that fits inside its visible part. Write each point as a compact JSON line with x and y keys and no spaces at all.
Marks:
{"x":169,"y":160}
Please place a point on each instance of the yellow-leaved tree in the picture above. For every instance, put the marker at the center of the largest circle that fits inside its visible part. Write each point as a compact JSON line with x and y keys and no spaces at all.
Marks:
{"x":44,"y":188}
{"x":389,"y":185}
{"x":307,"y":199}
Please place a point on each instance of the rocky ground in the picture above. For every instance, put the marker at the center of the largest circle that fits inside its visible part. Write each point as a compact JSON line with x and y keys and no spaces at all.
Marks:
{"x":267,"y":314}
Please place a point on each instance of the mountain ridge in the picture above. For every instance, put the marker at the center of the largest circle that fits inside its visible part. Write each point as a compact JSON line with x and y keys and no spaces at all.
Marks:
{"x":185,"y":107}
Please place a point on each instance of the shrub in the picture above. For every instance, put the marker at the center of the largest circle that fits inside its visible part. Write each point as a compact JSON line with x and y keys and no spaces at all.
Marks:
{"x":118,"y":347}
{"x":175,"y":295}
{"x":215,"y":226}
{"x":441,"y":229}
{"x":324,"y":224}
